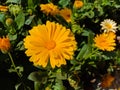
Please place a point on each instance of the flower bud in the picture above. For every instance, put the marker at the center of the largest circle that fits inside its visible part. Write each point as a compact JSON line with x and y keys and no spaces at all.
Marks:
{"x":30,"y":11}
{"x":78,"y":4}
{"x":48,"y":88}
{"x":3,"y":8}
{"x":14,"y":9}
{"x":4,"y":45}
{"x":9,"y":21}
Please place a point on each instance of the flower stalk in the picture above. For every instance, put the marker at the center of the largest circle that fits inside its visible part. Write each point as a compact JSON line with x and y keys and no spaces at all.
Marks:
{"x":13,"y":64}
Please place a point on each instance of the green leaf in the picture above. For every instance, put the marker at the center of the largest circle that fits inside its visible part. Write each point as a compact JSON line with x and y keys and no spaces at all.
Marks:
{"x":100,"y":9}
{"x":12,"y":37}
{"x":106,"y":2}
{"x":64,"y":3}
{"x":90,"y":14}
{"x":88,"y":52}
{"x":21,"y":86}
{"x":60,"y":75}
{"x":76,"y":28}
{"x":85,"y":33}
{"x":90,"y":38}
{"x":36,"y":86}
{"x":118,"y":60}
{"x":11,"y":70}
{"x":12,"y":30}
{"x":30,"y":4}
{"x":20,"y":69}
{"x":14,"y":1}
{"x":59,"y":85}
{"x":20,"y":46}
{"x":85,"y":52}
{"x":2,"y":17}
{"x":17,"y":86}
{"x":29,"y":20}
{"x":39,"y":21}
{"x":20,"y":19}
{"x":40,"y":77}
{"x":82,"y":52}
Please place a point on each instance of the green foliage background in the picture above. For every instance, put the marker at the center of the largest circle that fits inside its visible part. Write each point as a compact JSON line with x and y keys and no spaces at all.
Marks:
{"x":89,"y":63}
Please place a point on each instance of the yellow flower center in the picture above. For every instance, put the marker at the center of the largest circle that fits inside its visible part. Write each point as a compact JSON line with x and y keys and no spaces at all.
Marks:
{"x":50,"y":44}
{"x":109,"y":26}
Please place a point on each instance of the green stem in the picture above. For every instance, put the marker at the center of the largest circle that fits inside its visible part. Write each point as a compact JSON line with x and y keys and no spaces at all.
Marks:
{"x":91,"y":53}
{"x":78,"y":55}
{"x":36,"y":86}
{"x":87,"y":55}
{"x":13,"y":64}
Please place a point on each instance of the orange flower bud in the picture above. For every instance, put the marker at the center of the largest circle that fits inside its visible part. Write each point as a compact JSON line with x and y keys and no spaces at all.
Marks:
{"x":78,"y":4}
{"x":3,"y":8}
{"x":4,"y":44}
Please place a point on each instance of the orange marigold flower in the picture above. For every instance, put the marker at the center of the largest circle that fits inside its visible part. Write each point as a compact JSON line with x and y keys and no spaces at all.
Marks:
{"x":66,"y":14}
{"x":4,"y":44}
{"x":105,"y":41}
{"x":49,"y":8}
{"x":52,"y":43}
{"x":78,"y":4}
{"x":107,"y":81}
{"x":3,"y":8}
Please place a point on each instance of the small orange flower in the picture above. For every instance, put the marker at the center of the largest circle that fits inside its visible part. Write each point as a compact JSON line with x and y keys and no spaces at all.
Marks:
{"x":78,"y":4}
{"x":66,"y":14}
{"x":105,"y":41}
{"x":3,"y":8}
{"x":107,"y":80}
{"x":4,"y":44}
{"x":49,"y":8}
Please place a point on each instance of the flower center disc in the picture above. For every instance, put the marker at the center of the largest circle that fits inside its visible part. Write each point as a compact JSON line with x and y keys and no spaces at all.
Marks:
{"x":109,"y":26}
{"x":50,"y":45}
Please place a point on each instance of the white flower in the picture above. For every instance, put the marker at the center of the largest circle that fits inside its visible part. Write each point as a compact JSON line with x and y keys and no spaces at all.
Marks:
{"x":109,"y":25}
